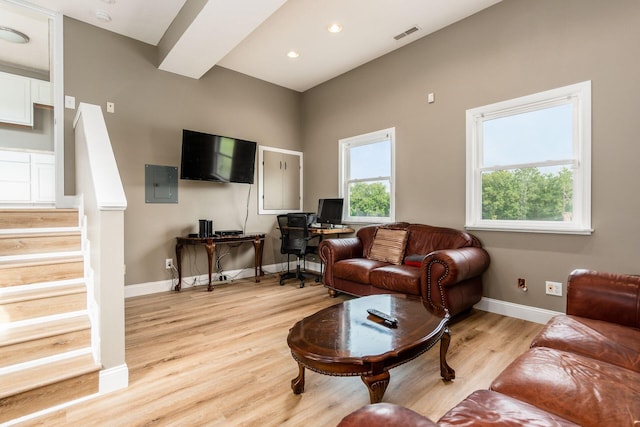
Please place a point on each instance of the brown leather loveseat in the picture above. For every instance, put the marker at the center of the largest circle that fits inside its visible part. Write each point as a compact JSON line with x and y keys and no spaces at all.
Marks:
{"x":442,"y":265}
{"x":583,"y":368}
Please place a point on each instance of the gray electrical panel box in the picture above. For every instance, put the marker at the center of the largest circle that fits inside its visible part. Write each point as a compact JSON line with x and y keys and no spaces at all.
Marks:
{"x":160,"y":184}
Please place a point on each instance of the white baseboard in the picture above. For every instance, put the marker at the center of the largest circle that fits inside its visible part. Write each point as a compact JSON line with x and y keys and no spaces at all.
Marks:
{"x":505,"y":308}
{"x":113,"y":379}
{"x":187,"y":282}
{"x":519,"y":311}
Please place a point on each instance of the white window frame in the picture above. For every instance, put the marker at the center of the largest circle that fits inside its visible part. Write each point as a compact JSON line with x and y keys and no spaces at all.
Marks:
{"x":344,"y":180}
{"x":579,"y":95}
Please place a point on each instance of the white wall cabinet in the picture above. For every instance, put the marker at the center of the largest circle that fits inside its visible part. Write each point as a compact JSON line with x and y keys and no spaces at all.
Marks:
{"x":41,"y":92}
{"x":27,"y":178}
{"x":280,"y":181}
{"x":15,"y":100}
{"x":18,"y":94}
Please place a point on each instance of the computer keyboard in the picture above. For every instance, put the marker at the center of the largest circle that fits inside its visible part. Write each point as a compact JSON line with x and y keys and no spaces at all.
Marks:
{"x":320,"y":225}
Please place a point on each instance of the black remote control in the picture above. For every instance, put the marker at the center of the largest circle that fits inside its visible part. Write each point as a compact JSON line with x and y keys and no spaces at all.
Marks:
{"x":391,"y":321}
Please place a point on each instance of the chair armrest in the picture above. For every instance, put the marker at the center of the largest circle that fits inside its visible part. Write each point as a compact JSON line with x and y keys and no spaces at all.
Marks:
{"x":609,"y":297}
{"x":384,"y":415}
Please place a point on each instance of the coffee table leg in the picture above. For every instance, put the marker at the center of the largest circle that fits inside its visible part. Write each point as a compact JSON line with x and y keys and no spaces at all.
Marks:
{"x":446,"y":371}
{"x":297,"y":384}
{"x":377,"y":385}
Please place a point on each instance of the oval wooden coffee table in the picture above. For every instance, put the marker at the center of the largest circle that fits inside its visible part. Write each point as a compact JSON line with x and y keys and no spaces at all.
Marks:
{"x":345,"y":340}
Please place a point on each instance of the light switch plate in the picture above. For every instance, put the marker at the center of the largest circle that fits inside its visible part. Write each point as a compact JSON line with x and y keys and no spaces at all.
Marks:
{"x":70,"y":102}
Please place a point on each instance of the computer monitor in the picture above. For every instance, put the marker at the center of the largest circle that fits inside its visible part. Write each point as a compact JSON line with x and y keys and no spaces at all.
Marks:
{"x":330,"y":211}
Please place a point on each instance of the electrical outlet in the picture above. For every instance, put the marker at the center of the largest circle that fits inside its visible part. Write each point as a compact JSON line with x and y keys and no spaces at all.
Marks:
{"x":554,"y":288}
{"x":168,"y":263}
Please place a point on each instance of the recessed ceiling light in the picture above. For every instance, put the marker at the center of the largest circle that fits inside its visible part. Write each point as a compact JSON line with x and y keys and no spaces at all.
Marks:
{"x":103,"y":16}
{"x":334,"y":28}
{"x":293,"y":54}
{"x":13,"y":36}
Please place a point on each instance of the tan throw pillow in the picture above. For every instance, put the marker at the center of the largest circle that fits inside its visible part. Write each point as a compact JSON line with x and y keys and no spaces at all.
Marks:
{"x":388,"y":245}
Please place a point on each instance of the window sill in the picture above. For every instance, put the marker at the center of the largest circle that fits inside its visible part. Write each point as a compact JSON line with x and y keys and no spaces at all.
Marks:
{"x":541,"y":230}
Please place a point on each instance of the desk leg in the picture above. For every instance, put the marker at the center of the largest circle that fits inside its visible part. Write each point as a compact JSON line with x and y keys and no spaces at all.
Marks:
{"x":179,"y":261}
{"x":257,"y":262}
{"x":211,"y":249}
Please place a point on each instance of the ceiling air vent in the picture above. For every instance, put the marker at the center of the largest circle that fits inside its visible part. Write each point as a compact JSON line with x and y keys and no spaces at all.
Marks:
{"x":406,"y":33}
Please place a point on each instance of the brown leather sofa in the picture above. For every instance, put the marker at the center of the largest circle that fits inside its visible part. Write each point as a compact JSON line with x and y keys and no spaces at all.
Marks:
{"x":442,"y":265}
{"x":583,"y":368}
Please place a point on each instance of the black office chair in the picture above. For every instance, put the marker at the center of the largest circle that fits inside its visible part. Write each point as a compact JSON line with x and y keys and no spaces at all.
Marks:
{"x":294,"y":240}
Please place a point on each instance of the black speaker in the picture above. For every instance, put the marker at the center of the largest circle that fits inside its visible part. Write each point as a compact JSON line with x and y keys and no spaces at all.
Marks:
{"x":204,"y":230}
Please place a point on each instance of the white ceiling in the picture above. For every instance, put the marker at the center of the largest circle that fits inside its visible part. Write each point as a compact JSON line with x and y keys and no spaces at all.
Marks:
{"x":254,"y":36}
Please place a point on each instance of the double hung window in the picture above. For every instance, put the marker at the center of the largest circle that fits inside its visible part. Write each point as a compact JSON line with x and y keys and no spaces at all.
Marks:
{"x":529,"y":163}
{"x":367,"y":177}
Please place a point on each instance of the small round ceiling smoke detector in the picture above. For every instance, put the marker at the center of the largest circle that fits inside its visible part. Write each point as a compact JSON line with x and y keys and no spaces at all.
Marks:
{"x":103,"y":16}
{"x":13,"y":36}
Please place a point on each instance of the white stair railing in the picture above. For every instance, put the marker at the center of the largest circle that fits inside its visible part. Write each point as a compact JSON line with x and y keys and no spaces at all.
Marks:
{"x":99,"y":185}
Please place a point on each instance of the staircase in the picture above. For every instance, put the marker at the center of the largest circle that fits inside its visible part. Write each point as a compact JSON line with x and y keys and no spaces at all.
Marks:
{"x":46,"y":355}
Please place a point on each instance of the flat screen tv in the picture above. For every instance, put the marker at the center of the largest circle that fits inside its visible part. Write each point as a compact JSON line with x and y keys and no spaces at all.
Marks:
{"x":207,"y":157}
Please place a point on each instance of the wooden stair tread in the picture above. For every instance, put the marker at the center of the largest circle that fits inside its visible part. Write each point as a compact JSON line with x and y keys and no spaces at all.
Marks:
{"x":30,"y":294}
{"x":36,"y":262}
{"x":36,"y":331}
{"x":13,"y":383}
{"x":40,"y":233}
{"x":31,"y":210}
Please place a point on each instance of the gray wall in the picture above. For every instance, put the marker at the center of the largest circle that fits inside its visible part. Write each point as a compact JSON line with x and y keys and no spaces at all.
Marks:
{"x":38,"y":138}
{"x":151,"y":109}
{"x":514,"y":48}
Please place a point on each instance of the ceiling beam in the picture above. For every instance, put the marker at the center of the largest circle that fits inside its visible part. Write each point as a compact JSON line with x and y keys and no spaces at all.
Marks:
{"x":206,"y":30}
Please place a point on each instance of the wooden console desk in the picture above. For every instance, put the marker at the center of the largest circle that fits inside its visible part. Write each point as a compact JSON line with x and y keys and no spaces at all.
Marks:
{"x":210,"y":244}
{"x":330,"y":231}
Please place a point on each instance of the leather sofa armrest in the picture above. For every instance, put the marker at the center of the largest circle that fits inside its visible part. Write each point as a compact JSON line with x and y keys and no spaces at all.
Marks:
{"x":333,"y":250}
{"x":603,"y":296}
{"x":384,"y":415}
{"x":451,"y":279}
{"x":450,"y":266}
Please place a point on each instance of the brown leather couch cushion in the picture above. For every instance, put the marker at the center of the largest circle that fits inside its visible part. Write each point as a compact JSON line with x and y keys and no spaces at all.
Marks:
{"x":609,"y":342}
{"x":402,"y":279}
{"x":385,"y":415}
{"x":583,"y":390}
{"x":486,"y":408}
{"x":424,"y":239}
{"x":356,"y":269}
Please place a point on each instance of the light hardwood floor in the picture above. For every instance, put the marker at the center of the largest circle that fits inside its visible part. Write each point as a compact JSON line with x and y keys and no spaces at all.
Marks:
{"x":221,"y":359}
